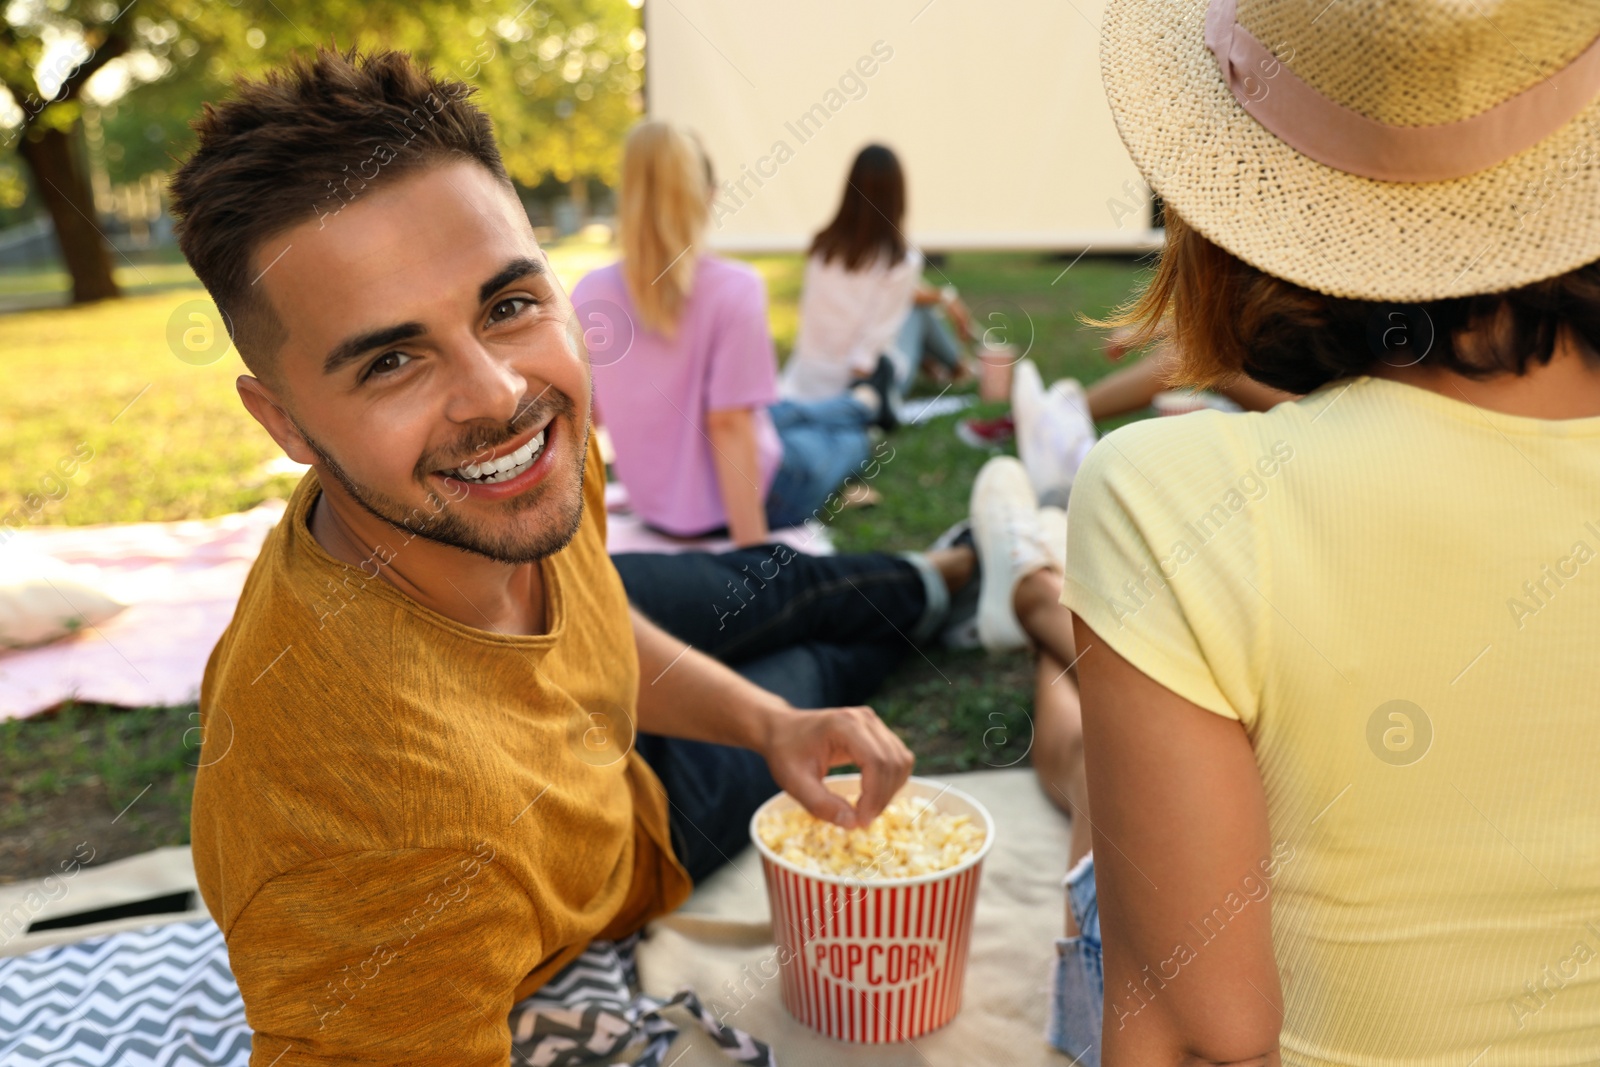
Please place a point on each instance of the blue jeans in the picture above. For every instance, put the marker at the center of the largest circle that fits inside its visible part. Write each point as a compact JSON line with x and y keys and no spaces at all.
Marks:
{"x":1078,"y":984}
{"x":924,"y":335}
{"x":824,"y":442}
{"x":819,"y":631}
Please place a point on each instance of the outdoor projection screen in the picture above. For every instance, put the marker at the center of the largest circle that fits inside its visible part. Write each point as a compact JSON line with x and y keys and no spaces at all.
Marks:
{"x":995,"y":109}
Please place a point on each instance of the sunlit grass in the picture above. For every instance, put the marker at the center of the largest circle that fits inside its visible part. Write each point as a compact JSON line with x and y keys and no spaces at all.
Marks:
{"x":132,"y":278}
{"x":168,"y":439}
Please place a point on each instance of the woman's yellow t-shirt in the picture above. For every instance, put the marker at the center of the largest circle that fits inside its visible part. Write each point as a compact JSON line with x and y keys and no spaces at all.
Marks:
{"x":1398,"y":594}
{"x":404,"y":825}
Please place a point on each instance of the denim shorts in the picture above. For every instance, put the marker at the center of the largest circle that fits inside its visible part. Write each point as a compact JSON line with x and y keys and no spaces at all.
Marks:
{"x":1078,"y":983}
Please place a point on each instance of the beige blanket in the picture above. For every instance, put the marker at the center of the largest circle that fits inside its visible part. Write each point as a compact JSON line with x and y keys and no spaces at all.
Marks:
{"x":725,"y":928}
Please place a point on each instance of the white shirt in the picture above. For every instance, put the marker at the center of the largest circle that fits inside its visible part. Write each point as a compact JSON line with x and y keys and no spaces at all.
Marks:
{"x":848,"y":318}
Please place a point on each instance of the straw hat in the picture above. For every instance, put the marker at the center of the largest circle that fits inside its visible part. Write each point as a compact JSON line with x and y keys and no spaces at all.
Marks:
{"x":1399,"y":150}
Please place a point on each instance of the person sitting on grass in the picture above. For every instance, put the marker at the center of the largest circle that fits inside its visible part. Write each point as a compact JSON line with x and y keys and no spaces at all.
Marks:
{"x":1124,"y":391}
{"x":458,"y":754}
{"x":1136,"y":386}
{"x":1054,"y":427}
{"x":864,"y":309}
{"x":689,"y":396}
{"x":1339,"y":682}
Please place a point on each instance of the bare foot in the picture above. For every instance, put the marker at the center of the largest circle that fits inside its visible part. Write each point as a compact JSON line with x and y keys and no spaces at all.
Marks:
{"x":859,"y":495}
{"x":955,"y":565}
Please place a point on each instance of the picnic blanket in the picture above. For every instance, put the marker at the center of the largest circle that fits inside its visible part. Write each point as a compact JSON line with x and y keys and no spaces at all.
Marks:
{"x":147,"y":991}
{"x":164,"y":995}
{"x":182,"y":581}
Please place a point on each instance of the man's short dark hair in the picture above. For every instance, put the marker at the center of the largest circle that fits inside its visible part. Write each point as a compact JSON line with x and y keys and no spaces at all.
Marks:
{"x":297,"y":146}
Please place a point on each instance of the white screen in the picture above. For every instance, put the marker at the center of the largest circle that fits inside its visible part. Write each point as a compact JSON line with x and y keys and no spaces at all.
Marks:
{"x":995,"y":109}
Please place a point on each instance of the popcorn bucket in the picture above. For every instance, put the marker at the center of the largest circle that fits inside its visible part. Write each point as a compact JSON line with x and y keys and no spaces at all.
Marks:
{"x":874,"y":960}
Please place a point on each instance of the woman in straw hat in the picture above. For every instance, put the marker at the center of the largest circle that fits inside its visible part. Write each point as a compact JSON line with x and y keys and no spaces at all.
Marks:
{"x":1337,"y":659}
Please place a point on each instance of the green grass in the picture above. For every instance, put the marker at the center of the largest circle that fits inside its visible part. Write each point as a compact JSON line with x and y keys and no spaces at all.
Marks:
{"x":167,"y":440}
{"x":130,"y":277}
{"x":118,"y":779}
{"x":170,"y":440}
{"x":136,"y":273}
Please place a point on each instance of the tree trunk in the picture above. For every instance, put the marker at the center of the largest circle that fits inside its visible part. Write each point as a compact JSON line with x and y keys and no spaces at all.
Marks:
{"x":578,"y":189}
{"x":63,"y":185}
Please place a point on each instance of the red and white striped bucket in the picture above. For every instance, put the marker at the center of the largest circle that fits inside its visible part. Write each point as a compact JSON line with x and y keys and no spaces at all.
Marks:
{"x":874,"y":961}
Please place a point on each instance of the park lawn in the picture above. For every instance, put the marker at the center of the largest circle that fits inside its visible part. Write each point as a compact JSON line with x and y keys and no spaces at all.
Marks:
{"x":169,"y":440}
{"x":133,"y":277}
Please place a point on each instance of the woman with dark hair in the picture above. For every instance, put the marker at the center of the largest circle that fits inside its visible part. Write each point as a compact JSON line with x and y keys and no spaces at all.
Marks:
{"x":1337,"y":659}
{"x":865,"y":312}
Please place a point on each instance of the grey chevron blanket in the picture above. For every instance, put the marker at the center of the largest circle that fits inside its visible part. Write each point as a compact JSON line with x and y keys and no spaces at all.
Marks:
{"x":164,"y":995}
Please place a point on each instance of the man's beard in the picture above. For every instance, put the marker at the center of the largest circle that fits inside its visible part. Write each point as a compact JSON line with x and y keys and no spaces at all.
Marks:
{"x":439,"y":523}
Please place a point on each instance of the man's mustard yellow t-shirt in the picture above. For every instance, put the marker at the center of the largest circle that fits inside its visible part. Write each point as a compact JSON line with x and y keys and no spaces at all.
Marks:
{"x":402,"y":824}
{"x":1398,"y":594}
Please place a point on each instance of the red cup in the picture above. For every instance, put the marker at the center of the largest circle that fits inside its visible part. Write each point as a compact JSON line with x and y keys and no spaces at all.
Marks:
{"x":874,"y":961}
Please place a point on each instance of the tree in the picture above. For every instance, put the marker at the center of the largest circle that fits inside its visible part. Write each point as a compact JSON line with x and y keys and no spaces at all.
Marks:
{"x":55,"y":57}
{"x":560,"y":78}
{"x":563,"y":88}
{"x":48,"y":96}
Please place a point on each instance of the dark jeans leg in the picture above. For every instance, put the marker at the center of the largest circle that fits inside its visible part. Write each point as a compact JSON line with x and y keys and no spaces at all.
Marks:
{"x":819,"y":631}
{"x":712,"y":791}
{"x":740,"y":605}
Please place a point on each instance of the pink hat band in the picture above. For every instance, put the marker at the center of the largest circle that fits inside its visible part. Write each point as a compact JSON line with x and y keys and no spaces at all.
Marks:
{"x":1332,"y":134}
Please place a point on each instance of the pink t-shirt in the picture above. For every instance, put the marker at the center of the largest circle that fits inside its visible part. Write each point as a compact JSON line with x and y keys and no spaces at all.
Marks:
{"x":653,"y":393}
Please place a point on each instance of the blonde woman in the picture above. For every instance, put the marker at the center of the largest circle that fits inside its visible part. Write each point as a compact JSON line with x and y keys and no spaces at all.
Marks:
{"x":1337,"y":659}
{"x":685,"y":374}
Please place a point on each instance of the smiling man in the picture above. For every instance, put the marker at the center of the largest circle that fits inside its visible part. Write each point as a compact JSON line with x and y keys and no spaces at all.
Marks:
{"x":432,"y":800}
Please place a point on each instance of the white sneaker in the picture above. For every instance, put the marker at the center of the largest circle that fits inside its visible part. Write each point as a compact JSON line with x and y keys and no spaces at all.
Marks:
{"x":1069,"y":435}
{"x":1054,"y":431}
{"x":1005,"y":528}
{"x":1028,"y":415}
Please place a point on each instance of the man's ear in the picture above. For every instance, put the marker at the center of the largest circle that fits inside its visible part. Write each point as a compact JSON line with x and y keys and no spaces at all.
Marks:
{"x":264,"y":407}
